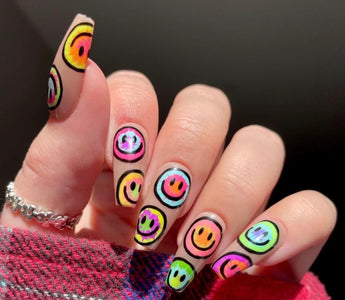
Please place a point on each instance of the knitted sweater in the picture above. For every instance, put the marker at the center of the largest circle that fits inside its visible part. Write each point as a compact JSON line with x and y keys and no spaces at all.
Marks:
{"x":50,"y":266}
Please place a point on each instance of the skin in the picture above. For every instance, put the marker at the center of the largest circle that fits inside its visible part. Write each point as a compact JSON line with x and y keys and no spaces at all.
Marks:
{"x":244,"y":172}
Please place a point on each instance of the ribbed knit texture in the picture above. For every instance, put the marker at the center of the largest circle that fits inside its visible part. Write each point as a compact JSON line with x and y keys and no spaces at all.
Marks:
{"x":47,"y":266}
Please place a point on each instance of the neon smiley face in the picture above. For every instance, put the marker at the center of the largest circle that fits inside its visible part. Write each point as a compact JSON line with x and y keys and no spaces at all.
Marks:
{"x":181,"y":273}
{"x":54,"y":88}
{"x":172,"y":187}
{"x":260,"y":238}
{"x":129,"y":187}
{"x":151,"y":225}
{"x":129,"y":144}
{"x":77,"y":46}
{"x":203,"y":237}
{"x":230,"y":264}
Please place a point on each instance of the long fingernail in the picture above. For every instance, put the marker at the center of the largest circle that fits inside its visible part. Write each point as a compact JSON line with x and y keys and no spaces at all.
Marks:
{"x":67,"y":72}
{"x":252,"y":246}
{"x":129,"y":164}
{"x":199,"y":243}
{"x":165,"y":196}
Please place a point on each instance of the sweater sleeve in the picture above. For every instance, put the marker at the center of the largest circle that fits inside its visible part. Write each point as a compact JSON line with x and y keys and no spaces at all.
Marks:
{"x":51,"y":266}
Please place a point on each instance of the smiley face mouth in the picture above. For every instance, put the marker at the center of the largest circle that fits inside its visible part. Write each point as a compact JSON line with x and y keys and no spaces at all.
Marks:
{"x":172,"y":198}
{"x":201,"y":248}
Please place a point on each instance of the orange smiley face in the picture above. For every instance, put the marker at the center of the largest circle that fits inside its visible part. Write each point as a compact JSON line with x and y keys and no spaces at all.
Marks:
{"x":203,"y":237}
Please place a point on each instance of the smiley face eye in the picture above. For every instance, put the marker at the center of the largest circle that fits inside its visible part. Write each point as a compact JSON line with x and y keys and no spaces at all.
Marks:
{"x":201,"y":230}
{"x":152,"y":223}
{"x":209,"y":237}
{"x":172,"y":181}
{"x":176,"y":273}
{"x":143,"y":220}
{"x":132,"y":186}
{"x":182,"y":278}
{"x":124,"y":139}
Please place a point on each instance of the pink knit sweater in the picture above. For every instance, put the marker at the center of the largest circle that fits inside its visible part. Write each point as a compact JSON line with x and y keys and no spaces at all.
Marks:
{"x":46,"y":266}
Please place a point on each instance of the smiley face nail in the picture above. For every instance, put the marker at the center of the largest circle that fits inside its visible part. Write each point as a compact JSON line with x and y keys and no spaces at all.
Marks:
{"x":66,"y":74}
{"x":151,"y":225}
{"x":181,"y":273}
{"x":260,"y":238}
{"x":54,"y":88}
{"x":77,"y":46}
{"x":129,"y":187}
{"x":203,"y":237}
{"x":172,"y":187}
{"x":230,"y":264}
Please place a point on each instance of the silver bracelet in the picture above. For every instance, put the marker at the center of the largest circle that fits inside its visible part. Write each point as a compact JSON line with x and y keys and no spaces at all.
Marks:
{"x":29,"y":211}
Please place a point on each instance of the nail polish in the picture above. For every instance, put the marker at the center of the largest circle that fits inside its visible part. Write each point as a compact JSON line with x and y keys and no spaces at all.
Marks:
{"x":129,"y":164}
{"x":253,"y":245}
{"x":67,"y":71}
{"x":200,"y":242}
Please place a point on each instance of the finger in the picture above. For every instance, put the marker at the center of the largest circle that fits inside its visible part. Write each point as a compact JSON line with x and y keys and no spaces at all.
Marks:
{"x":65,"y":158}
{"x":67,"y":72}
{"x":133,"y":102}
{"x":300,"y":222}
{"x":243,"y":179}
{"x":132,"y":133}
{"x":185,"y":151}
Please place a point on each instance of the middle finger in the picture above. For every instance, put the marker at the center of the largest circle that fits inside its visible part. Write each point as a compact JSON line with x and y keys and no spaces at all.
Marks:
{"x":185,"y":152}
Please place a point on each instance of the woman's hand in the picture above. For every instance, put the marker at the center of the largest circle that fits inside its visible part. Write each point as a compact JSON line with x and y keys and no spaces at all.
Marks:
{"x":179,"y":191}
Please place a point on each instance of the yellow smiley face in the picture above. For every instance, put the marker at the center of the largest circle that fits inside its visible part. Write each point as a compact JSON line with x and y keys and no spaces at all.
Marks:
{"x":129,"y":187}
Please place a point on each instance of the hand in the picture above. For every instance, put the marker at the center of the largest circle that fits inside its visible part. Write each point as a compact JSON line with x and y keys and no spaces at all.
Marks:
{"x":178,"y":191}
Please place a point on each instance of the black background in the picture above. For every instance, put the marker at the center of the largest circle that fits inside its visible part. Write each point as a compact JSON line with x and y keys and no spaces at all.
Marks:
{"x":281,"y":64}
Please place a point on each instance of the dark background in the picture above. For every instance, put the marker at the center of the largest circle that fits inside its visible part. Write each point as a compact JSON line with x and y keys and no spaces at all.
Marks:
{"x":282,"y":64}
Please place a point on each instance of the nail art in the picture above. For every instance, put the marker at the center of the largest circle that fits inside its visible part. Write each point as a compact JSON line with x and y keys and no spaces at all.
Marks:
{"x":203,"y":237}
{"x":181,"y":273}
{"x":260,"y":238}
{"x":129,"y":144}
{"x":129,"y":187}
{"x":151,"y":225}
{"x":55,"y":89}
{"x":65,"y":80}
{"x":172,"y":187}
{"x":230,"y":264}
{"x":77,"y":46}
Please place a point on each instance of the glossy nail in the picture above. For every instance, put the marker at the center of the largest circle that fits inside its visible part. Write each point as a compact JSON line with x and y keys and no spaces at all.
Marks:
{"x":169,"y":192}
{"x":129,"y":164}
{"x":252,"y":246}
{"x":200,"y":241}
{"x":67,"y":71}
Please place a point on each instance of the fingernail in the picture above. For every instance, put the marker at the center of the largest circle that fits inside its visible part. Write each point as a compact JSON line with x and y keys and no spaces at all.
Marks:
{"x":169,"y":192}
{"x":252,"y":246}
{"x":180,"y":275}
{"x":67,"y":71}
{"x":199,"y":243}
{"x":129,"y":164}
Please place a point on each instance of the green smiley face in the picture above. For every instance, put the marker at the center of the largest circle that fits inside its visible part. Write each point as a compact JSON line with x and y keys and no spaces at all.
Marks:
{"x":181,"y":273}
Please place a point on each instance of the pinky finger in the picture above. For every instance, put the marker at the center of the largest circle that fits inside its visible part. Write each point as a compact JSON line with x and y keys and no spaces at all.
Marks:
{"x":283,"y":241}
